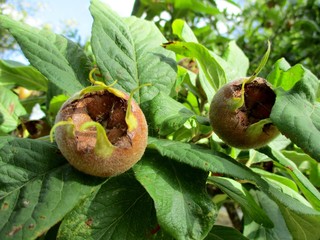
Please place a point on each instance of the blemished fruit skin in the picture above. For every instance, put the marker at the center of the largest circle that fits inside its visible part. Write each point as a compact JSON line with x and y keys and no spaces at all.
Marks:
{"x":79,"y":147}
{"x":233,"y":125}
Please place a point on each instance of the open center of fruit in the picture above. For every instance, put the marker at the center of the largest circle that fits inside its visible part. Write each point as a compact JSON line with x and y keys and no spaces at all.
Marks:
{"x":110,"y":111}
{"x":259,"y":99}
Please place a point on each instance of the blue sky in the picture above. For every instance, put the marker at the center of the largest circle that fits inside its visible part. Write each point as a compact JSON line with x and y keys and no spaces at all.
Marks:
{"x":55,"y":12}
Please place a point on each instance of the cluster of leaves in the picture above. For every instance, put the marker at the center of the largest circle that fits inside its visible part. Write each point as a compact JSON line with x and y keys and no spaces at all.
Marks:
{"x":290,"y":25}
{"x":21,"y":12}
{"x":293,"y":26}
{"x":164,"y":196}
{"x":194,"y":12}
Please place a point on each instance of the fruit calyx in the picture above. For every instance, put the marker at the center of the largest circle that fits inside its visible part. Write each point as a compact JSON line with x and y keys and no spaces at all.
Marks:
{"x":258,"y":100}
{"x":240,"y":110}
{"x":101,"y":130}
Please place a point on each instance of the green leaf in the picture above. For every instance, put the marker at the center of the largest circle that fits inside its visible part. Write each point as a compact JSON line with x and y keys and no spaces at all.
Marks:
{"x":278,"y":178}
{"x":60,"y":60}
{"x":237,"y":63}
{"x":55,"y":105}
{"x":209,"y":160}
{"x":234,"y":62}
{"x":128,"y":50}
{"x":165,"y":115}
{"x":253,"y":230}
{"x":295,"y":195}
{"x":280,"y":76}
{"x":223,"y":232}
{"x":237,"y":192}
{"x":307,"y":188}
{"x":302,"y":227}
{"x":297,"y":115}
{"x":24,"y":76}
{"x":120,"y":209}
{"x":199,"y":157}
{"x":196,"y":5}
{"x":288,"y":224}
{"x":183,"y":31}
{"x":214,"y":73}
{"x":36,"y":191}
{"x":183,"y":207}
{"x":306,"y":164}
{"x":262,"y":63}
{"x":11,"y":109}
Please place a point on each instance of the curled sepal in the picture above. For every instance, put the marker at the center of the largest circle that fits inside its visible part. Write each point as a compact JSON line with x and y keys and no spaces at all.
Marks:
{"x":99,"y":86}
{"x":238,"y":102}
{"x":262,"y":63}
{"x":70,"y":128}
{"x":103,"y":147}
{"x":131,"y":120}
{"x":256,"y":129}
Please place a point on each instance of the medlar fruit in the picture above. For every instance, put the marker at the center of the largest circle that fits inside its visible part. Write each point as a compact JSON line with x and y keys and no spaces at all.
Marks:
{"x":239,"y":113}
{"x":101,"y":131}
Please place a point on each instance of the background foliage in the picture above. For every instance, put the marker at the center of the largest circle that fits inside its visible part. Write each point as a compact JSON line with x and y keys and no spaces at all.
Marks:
{"x":187,"y":175}
{"x":292,"y":26}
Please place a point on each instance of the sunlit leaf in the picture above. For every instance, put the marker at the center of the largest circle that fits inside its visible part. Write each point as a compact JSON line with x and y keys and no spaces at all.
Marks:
{"x":25,"y":76}
{"x":295,"y":112}
{"x":306,"y":164}
{"x":182,"y":205}
{"x":209,"y":160}
{"x":165,"y":115}
{"x":60,"y":60}
{"x":128,"y":50}
{"x":214,"y":73}
{"x":11,"y":109}
{"x":183,"y":31}
{"x":310,"y":192}
{"x":278,"y":178}
{"x":237,"y":63}
{"x":196,"y":5}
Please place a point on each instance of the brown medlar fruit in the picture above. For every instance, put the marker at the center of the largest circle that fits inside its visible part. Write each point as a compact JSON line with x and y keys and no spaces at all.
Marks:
{"x":101,"y":131}
{"x":239,"y":113}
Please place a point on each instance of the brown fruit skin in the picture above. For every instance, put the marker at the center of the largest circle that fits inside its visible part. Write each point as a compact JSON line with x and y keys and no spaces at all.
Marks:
{"x":79,"y":150}
{"x":231,"y":125}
